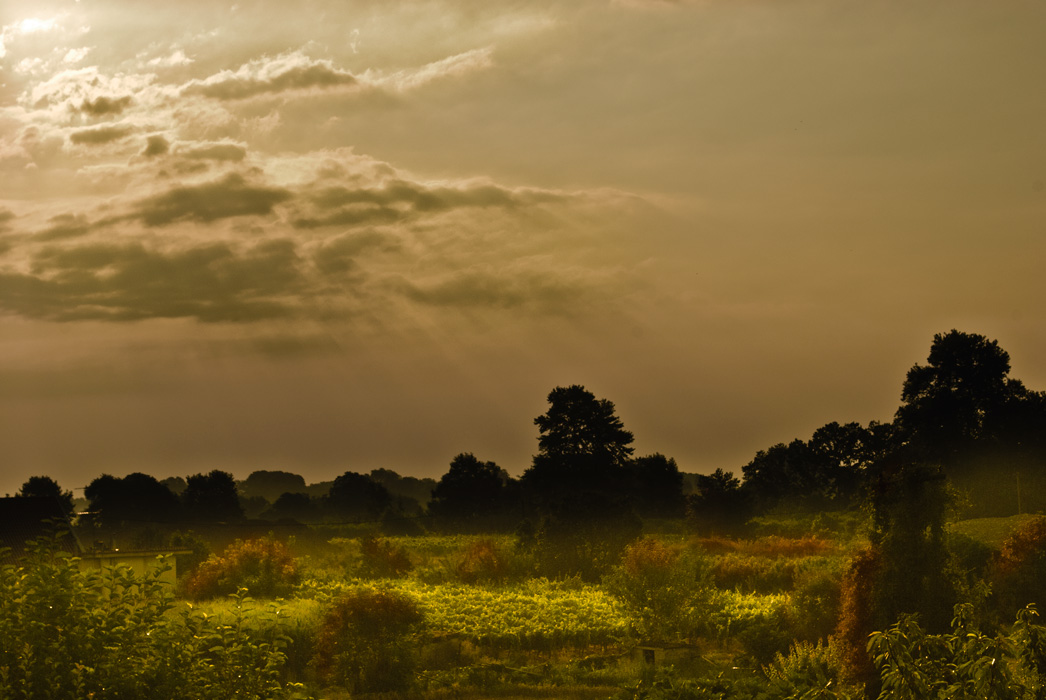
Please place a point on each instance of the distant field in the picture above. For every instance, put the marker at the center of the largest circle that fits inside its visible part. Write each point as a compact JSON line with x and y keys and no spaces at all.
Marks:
{"x":991,"y":531}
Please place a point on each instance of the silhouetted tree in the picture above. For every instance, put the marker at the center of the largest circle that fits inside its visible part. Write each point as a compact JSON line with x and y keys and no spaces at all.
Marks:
{"x":585,"y":537}
{"x":474,"y":495}
{"x":354,"y":496}
{"x":583,"y":448}
{"x":212,"y":497}
{"x":136,"y":497}
{"x":412,"y":487}
{"x":270,"y":485}
{"x":948,"y":402}
{"x":719,"y":504}
{"x":294,"y":506}
{"x":655,"y":486}
{"x":46,"y":487}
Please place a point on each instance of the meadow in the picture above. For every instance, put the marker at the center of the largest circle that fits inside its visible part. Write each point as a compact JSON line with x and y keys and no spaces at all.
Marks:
{"x":680,"y":616}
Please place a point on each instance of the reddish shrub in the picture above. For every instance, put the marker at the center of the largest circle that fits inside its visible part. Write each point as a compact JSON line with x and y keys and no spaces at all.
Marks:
{"x":646,"y":555}
{"x":263,"y":566}
{"x":857,"y":614}
{"x":382,"y":559}
{"x":1018,"y":573}
{"x":482,"y":562}
{"x":365,"y":641}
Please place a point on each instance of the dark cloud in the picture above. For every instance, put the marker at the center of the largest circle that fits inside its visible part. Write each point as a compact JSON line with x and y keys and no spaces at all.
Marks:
{"x":352,"y":216}
{"x":220,"y":199}
{"x":156,"y":146}
{"x":6,"y":215}
{"x":501,"y":290}
{"x":100,"y":135}
{"x":338,"y":256}
{"x":102,"y":106}
{"x":290,"y":73}
{"x":400,"y":198}
{"x":217,"y":151}
{"x":129,"y":282}
{"x":64,"y":226}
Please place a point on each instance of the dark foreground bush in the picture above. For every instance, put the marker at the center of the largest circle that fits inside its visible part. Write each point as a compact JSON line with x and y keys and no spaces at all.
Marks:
{"x":366,"y":642}
{"x":70,"y":634}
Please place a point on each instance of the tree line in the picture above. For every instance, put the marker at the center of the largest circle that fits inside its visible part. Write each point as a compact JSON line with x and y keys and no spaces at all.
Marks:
{"x":961,"y":415}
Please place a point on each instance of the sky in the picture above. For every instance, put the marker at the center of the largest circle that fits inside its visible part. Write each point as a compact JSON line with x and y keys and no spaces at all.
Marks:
{"x":330,"y":236}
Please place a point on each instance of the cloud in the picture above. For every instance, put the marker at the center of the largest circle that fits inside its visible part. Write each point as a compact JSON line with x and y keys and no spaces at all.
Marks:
{"x":211,"y":283}
{"x":339,"y":255}
{"x":287,"y":72}
{"x":231,"y":152}
{"x":497,"y":288}
{"x":155,"y":145}
{"x":63,"y":227}
{"x":399,"y":198}
{"x":452,"y":66}
{"x":220,"y":199}
{"x":100,"y":135}
{"x":6,"y":215}
{"x":103,"y":105}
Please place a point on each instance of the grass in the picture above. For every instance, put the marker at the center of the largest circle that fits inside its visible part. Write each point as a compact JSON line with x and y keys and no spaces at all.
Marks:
{"x":991,"y":531}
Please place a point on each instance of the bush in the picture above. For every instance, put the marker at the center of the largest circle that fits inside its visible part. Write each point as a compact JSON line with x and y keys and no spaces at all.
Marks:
{"x":1019,"y":572}
{"x":807,"y":667}
{"x":366,"y":641}
{"x":382,"y":559}
{"x":482,"y":562}
{"x":110,"y":634}
{"x":815,"y":604}
{"x":199,"y":551}
{"x":669,"y":594}
{"x":263,"y":566}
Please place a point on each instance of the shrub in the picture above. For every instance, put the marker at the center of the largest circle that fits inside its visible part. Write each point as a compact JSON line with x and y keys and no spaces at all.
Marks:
{"x":814,"y":608}
{"x":263,"y":566}
{"x":807,"y":667}
{"x":382,"y":559}
{"x":1019,"y":572}
{"x":366,"y":641}
{"x":188,"y":563}
{"x":110,"y":634}
{"x":482,"y":562}
{"x":668,"y":593}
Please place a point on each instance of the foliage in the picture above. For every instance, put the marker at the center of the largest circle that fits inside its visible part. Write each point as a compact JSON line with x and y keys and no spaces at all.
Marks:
{"x":357,"y":497}
{"x":669,"y":594}
{"x":380,"y":558}
{"x":200,"y":551}
{"x":482,"y":562}
{"x":472,"y":495}
{"x":816,"y":602}
{"x":365,"y":641}
{"x":263,"y":566}
{"x":270,"y":485}
{"x":808,"y":670}
{"x":211,"y":497}
{"x":585,"y":537}
{"x":134,"y":498}
{"x":69,"y":634}
{"x":963,"y":663}
{"x":718,"y":505}
{"x":655,"y":486}
{"x":46,"y":487}
{"x":1019,"y":572}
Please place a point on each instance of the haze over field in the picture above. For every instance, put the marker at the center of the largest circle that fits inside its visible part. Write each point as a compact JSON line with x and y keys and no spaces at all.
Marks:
{"x":322,"y":236}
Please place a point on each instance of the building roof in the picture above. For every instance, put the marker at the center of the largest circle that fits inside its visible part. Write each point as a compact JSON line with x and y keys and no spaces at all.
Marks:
{"x":27,"y":518}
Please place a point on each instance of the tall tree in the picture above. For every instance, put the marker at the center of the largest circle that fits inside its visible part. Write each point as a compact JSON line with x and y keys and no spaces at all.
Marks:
{"x":270,"y":485}
{"x":46,"y":487}
{"x":655,"y":485}
{"x":473,"y":495}
{"x":354,"y":496}
{"x":212,"y":497}
{"x":582,"y":448}
{"x":136,"y":497}
{"x":948,"y":402}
